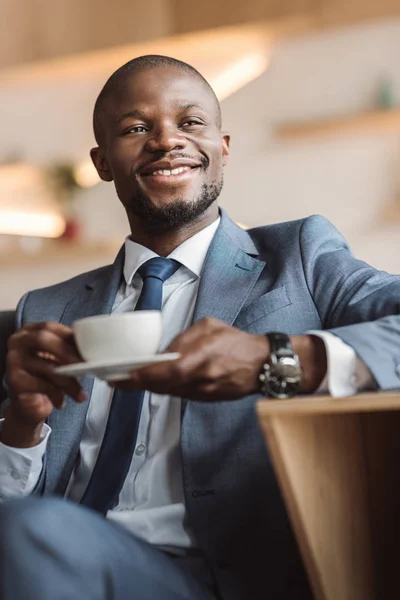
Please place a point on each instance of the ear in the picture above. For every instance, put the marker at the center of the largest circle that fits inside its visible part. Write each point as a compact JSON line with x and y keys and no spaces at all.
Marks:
{"x":100,"y":162}
{"x":226,"y":139}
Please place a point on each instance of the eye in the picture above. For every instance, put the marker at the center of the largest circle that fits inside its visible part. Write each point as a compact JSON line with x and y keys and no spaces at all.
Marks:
{"x":192,"y":123}
{"x":135,"y":129}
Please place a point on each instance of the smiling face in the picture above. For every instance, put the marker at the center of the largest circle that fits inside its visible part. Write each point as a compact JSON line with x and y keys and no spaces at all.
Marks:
{"x":162,"y":146}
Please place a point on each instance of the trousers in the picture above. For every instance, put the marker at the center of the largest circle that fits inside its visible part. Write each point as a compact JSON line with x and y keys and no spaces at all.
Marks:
{"x":53,"y":549}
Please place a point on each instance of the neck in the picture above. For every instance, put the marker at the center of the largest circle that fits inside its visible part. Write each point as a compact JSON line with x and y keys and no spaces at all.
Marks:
{"x":164,"y":242}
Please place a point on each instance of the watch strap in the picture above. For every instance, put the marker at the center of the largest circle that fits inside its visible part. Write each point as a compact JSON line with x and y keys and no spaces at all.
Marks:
{"x":280,"y":344}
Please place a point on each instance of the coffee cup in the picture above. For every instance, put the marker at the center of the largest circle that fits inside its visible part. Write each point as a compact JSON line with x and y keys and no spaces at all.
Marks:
{"x":118,"y":337}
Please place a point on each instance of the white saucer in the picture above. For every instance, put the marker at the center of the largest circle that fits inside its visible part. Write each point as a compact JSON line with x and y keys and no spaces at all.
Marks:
{"x":113,"y":370}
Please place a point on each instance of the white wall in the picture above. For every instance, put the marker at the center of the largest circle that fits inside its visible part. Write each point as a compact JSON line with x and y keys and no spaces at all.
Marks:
{"x":348,"y":179}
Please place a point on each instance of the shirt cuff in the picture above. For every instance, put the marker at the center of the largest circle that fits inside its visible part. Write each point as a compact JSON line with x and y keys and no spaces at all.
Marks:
{"x":346,"y":374}
{"x":20,"y":468}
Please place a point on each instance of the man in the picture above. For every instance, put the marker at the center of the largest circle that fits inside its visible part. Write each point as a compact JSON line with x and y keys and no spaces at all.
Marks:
{"x":197,"y":513}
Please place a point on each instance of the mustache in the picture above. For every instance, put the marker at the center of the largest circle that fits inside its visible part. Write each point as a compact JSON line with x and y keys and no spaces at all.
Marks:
{"x":203,"y":160}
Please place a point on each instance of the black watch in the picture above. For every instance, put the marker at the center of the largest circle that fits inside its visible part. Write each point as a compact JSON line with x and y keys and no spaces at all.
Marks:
{"x":281,"y":375}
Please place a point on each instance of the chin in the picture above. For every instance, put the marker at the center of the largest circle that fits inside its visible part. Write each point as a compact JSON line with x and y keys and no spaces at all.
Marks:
{"x":171,"y":210}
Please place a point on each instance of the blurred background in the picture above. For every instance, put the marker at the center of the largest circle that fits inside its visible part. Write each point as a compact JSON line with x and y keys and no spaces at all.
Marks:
{"x":310,"y":92}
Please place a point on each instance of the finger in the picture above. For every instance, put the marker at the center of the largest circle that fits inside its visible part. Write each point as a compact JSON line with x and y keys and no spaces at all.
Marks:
{"x":31,"y":389}
{"x":41,"y":371}
{"x":164,"y":377}
{"x":33,"y":408}
{"x":45,"y":340}
{"x":189,"y":338}
{"x":58,"y":328}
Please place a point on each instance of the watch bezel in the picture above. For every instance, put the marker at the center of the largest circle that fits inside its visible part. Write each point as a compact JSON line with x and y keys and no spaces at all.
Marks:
{"x":274,"y":380}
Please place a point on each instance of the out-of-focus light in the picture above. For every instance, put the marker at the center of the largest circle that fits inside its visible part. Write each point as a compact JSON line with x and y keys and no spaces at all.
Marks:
{"x":27,"y":206}
{"x":85,"y":174}
{"x":26,"y":223}
{"x":241,"y":72}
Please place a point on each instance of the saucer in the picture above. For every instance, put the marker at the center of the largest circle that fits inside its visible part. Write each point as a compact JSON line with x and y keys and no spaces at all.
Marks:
{"x":113,"y":370}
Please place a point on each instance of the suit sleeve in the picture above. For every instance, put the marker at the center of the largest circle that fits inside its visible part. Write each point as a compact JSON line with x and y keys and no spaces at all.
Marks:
{"x":357,"y":303}
{"x":22,"y":470}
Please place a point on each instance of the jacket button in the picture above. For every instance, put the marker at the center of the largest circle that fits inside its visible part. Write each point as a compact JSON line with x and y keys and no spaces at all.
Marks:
{"x":140,"y":449}
{"x":397,"y":370}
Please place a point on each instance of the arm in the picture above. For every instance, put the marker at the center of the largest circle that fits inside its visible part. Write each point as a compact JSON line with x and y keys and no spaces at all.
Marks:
{"x":34,"y":389}
{"x":220,"y":362}
{"x":356,"y":302}
{"x":346,"y":374}
{"x":21,"y":469}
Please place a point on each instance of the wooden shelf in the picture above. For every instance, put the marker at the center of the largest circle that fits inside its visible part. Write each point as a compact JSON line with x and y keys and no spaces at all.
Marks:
{"x":375,"y":122}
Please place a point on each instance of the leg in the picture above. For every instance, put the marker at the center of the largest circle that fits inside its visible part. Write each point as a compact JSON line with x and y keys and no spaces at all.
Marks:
{"x":54,"y":549}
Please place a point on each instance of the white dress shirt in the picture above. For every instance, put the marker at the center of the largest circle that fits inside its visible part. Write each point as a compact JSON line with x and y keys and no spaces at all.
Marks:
{"x":151,"y":504}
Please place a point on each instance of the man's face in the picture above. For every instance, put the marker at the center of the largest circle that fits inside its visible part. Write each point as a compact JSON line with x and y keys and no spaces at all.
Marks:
{"x":162,"y":146}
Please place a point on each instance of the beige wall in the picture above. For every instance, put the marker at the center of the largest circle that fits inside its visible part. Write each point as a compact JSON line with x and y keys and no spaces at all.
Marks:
{"x":41,"y":29}
{"x":189,"y":16}
{"x":349,"y":179}
{"x":213,"y":13}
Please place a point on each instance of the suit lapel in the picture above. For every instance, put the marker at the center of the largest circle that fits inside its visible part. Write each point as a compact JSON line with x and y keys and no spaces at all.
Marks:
{"x":229,"y":274}
{"x":95,"y":296}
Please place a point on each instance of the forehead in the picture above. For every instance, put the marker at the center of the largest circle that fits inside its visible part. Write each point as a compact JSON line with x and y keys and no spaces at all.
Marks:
{"x":159,"y":90}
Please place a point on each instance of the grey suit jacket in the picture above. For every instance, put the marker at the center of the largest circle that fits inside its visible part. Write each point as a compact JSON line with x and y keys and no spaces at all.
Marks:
{"x":289,"y":277}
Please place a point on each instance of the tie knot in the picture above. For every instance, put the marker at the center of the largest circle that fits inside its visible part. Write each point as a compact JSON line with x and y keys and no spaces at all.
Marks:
{"x":159,"y":268}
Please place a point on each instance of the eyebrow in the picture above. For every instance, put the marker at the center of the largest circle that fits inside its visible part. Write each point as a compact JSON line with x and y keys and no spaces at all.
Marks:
{"x":139,"y":114}
{"x":189,"y":106}
{"x":132,"y":114}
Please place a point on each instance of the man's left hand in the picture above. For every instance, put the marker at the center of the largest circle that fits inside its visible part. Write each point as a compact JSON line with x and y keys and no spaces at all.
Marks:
{"x":220,"y":362}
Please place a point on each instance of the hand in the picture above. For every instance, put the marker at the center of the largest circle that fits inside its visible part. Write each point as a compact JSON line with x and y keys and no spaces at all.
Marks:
{"x":218,"y":362}
{"x":34,"y":388}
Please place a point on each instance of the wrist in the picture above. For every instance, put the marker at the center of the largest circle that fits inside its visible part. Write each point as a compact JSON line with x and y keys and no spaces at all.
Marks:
{"x":281,"y":374}
{"x":264,"y":349}
{"x":18,"y":433}
{"x":312,"y":355}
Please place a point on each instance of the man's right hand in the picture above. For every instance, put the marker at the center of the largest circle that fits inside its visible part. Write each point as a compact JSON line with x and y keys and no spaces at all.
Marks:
{"x":34,"y":389}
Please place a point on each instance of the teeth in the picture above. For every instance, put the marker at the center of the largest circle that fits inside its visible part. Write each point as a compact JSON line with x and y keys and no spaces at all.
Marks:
{"x":168,"y":172}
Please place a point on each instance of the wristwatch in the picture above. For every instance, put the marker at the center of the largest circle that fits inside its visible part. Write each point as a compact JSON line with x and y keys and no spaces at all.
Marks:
{"x":280,"y":376}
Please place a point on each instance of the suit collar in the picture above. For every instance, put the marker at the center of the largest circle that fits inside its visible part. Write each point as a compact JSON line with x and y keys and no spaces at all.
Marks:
{"x":229,"y":274}
{"x":237,"y":235}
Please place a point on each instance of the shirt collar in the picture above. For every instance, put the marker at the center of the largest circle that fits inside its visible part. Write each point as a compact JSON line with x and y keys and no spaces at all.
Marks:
{"x":191,"y":253}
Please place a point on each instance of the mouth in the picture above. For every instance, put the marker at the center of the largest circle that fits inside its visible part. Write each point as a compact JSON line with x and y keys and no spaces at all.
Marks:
{"x":170,"y":174}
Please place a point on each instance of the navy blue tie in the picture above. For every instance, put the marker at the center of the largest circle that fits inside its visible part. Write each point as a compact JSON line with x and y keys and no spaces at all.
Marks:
{"x":119,"y":440}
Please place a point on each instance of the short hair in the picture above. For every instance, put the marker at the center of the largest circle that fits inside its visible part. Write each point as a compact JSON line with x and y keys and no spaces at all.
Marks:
{"x":149,"y":61}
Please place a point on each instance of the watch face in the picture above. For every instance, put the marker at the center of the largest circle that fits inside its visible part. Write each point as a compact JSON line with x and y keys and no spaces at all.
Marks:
{"x":288,"y":368}
{"x":283,"y":377}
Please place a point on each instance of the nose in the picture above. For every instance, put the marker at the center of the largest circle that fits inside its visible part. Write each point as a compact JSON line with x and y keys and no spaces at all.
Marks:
{"x":165,"y":138}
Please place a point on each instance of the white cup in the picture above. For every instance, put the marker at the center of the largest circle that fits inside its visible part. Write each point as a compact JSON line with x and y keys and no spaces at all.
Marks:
{"x":121,"y":337}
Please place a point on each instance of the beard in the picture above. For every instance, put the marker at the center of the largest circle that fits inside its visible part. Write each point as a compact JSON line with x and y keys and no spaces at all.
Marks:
{"x":176,"y":214}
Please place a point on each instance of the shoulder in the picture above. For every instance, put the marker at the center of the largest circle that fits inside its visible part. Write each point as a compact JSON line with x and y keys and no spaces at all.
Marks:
{"x":47,"y":303}
{"x":289,"y":234}
{"x":83,"y":279}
